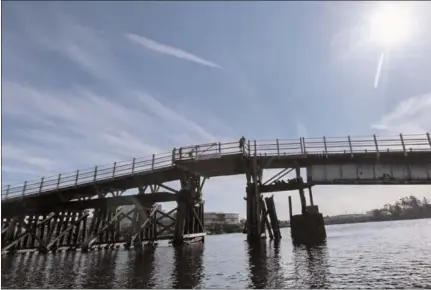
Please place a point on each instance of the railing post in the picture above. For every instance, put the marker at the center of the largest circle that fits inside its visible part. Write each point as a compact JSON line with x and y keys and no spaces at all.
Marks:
{"x":278,"y":147}
{"x":77,"y":177}
{"x":402,"y":143}
{"x":303,"y":142}
{"x":255,"y":148}
{"x":377,"y":146}
{"x":58,"y":180}
{"x":429,"y":139}
{"x":133,"y":165}
{"x":326,"y":148}
{"x":173,"y":156}
{"x":113,"y":169}
{"x":219,"y":147}
{"x":249,"y":148}
{"x":7,"y":191}
{"x":24,"y":188}
{"x":350,"y":146}
{"x":153,"y":161}
{"x":95,"y":174}
{"x":41,"y":185}
{"x":302,"y":147}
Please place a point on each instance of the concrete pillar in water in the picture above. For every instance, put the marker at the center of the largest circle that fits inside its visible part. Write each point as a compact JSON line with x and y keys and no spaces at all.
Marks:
{"x":307,"y":228}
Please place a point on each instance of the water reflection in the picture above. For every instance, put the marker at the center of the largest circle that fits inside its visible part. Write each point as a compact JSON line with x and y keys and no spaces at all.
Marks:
{"x":188,"y":266}
{"x":257,"y":258}
{"x":101,"y":269}
{"x":230,"y":262}
{"x":141,"y":267}
{"x":276,"y":274}
{"x":265,"y":269}
{"x":68,"y":263}
{"x":311,"y":266}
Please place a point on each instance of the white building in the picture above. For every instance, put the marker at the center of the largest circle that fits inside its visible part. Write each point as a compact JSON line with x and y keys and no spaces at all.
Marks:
{"x":212,"y":218}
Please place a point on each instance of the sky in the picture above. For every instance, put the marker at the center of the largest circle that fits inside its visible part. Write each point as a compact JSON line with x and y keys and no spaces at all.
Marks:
{"x":86,"y":83}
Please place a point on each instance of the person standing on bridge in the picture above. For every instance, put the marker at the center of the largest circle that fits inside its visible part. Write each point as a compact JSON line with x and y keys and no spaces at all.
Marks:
{"x":242,"y":144}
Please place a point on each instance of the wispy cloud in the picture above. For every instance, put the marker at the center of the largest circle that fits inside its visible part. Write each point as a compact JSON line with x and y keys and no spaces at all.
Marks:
{"x":16,"y":153}
{"x":169,"y":50}
{"x":409,"y":116}
{"x":63,"y":128}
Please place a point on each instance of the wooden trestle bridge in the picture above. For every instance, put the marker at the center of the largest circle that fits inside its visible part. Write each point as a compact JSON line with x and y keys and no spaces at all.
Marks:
{"x":54,"y":212}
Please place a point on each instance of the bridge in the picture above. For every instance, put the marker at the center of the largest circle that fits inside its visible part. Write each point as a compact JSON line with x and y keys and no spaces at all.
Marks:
{"x":52,"y":212}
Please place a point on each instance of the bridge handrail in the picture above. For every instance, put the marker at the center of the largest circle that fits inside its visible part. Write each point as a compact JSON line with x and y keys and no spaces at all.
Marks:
{"x":277,"y":147}
{"x":343,"y":145}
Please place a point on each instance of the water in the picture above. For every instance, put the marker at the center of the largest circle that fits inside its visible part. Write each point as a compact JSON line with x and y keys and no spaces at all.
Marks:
{"x":370,"y":255}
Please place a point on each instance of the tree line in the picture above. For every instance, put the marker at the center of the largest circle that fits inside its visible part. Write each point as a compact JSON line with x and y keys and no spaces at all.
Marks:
{"x":409,"y":207}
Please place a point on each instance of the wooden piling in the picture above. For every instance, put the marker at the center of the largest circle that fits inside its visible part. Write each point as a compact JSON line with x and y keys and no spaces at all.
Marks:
{"x":273,"y":217}
{"x":310,"y":194}
{"x":265,"y":222}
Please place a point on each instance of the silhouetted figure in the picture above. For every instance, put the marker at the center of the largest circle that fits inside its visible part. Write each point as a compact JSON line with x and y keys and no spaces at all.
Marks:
{"x":242,"y":144}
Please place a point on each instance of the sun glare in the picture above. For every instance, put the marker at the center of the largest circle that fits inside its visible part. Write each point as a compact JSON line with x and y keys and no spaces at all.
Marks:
{"x":392,"y":23}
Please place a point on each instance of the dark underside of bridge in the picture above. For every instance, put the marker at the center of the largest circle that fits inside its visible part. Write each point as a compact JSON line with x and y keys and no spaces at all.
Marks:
{"x":90,"y":215}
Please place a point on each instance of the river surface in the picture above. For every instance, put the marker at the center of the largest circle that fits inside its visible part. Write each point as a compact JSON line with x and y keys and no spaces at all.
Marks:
{"x":370,"y":255}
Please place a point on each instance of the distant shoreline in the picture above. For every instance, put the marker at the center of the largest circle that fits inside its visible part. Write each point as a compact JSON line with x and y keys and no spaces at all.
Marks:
{"x":370,"y":220}
{"x":340,"y":222}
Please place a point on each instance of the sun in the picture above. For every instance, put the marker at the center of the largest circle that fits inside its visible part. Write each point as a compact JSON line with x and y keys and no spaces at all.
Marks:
{"x":391,"y":24}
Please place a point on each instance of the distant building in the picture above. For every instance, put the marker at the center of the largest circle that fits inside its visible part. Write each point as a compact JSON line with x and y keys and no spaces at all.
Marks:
{"x":213,"y":218}
{"x":125,"y":222}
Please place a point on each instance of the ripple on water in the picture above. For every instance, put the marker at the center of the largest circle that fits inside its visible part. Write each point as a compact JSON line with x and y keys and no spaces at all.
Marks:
{"x":372,"y":255}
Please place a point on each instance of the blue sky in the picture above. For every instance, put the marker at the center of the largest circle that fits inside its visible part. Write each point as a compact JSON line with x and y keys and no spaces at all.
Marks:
{"x":87,"y":83}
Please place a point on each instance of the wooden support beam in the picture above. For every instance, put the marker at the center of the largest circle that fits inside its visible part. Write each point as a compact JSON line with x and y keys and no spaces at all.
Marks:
{"x":265,"y":222}
{"x":273,"y":217}
{"x":59,"y":238}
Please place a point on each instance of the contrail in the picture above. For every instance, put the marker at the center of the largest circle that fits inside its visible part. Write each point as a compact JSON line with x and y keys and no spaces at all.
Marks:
{"x":379,"y":70}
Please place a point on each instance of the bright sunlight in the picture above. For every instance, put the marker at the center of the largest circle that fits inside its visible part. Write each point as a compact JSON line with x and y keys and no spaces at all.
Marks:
{"x":391,"y":23}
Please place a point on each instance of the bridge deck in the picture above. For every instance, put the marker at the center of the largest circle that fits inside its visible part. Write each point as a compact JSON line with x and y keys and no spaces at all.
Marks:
{"x":224,"y":159}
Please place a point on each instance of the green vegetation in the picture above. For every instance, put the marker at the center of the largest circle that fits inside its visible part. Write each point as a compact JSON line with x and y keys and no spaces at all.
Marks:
{"x":405,"y":208}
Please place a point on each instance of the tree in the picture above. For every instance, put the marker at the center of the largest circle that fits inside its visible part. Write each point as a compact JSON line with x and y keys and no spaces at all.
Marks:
{"x":377,"y":213}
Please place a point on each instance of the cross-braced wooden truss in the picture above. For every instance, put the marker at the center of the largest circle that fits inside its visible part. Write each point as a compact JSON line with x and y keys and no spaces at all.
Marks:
{"x":97,"y":221}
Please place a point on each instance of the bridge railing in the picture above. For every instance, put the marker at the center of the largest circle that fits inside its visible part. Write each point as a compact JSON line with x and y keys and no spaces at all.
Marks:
{"x":88,"y":176}
{"x":278,"y":147}
{"x":342,"y":145}
{"x":206,"y":151}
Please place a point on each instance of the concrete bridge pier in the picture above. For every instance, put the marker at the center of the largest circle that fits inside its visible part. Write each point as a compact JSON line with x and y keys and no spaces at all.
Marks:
{"x":307,"y":228}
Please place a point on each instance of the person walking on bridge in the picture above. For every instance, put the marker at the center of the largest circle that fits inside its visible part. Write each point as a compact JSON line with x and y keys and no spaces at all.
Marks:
{"x":242,"y":144}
